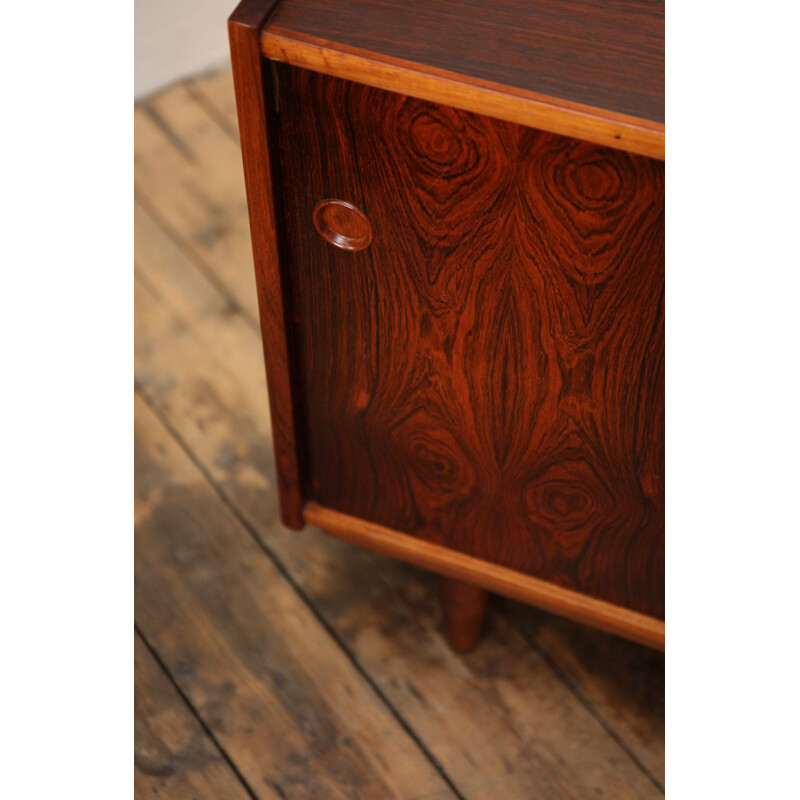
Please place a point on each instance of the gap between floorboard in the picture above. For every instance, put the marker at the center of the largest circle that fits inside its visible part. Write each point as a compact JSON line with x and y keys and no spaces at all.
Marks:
{"x":196,"y":261}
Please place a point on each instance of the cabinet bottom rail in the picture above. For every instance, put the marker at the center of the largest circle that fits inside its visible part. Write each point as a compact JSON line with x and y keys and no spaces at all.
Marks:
{"x":578,"y":607}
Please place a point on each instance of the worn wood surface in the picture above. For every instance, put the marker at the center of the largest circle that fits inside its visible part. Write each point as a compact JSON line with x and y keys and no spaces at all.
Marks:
{"x":272,"y":685}
{"x":174,"y":757}
{"x":194,"y":183}
{"x":622,"y":684}
{"x":587,"y":69}
{"x":530,"y":713}
{"x":546,"y":458}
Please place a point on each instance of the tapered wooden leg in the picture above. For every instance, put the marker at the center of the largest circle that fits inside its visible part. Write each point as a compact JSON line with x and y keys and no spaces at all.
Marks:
{"x":463,"y":612}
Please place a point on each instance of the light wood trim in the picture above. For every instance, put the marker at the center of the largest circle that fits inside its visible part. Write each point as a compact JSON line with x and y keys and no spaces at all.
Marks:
{"x":471,"y":94}
{"x":547,"y":596}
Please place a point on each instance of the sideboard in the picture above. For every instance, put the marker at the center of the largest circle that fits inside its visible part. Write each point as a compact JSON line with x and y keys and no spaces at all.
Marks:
{"x":457,"y":218}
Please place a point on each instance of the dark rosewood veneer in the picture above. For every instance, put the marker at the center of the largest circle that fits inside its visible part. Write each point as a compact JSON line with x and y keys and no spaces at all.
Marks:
{"x":457,"y":216}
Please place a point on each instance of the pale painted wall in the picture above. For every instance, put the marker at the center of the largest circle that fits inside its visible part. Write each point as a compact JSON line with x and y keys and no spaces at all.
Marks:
{"x":176,"y":38}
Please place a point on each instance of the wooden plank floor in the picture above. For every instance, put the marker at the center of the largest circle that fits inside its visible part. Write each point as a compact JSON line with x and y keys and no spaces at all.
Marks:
{"x":278,"y":664}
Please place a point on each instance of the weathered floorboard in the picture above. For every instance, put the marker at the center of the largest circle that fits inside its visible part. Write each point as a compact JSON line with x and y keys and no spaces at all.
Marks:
{"x":621,"y":682}
{"x":190,"y":171}
{"x":214,"y":91}
{"x":265,"y":676}
{"x":174,"y":757}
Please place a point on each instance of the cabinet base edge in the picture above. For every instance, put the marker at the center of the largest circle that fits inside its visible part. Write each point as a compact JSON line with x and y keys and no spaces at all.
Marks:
{"x":579,"y":607}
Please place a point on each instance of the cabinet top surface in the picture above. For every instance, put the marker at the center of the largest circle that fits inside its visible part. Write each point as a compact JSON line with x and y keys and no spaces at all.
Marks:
{"x":600,"y":55}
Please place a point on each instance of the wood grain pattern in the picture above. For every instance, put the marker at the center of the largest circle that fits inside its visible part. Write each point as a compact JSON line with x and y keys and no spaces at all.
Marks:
{"x":173,"y":756}
{"x":189,"y":172}
{"x":622,"y":683}
{"x":481,"y":97}
{"x":595,"y":52}
{"x":252,"y":100}
{"x":587,"y":69}
{"x":272,"y":685}
{"x":640,"y":628}
{"x":511,"y":406}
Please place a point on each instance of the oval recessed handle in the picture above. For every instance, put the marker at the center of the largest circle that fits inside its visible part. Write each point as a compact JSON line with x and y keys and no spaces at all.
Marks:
{"x":342,"y":224}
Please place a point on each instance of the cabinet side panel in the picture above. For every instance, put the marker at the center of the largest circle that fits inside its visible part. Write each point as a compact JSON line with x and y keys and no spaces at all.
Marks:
{"x":488,"y":374}
{"x":253,"y":98}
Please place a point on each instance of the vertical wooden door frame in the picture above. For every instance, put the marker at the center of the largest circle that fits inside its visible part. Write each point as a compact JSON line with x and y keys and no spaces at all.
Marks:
{"x":254,"y":98}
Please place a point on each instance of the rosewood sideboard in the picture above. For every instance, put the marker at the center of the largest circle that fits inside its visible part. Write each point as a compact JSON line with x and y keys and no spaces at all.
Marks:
{"x":457,"y":217}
